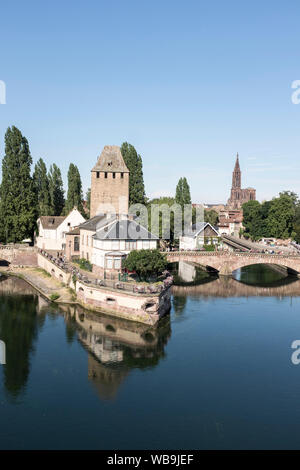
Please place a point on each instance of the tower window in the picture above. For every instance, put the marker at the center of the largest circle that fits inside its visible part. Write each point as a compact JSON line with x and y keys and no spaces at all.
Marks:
{"x":98,"y":174}
{"x":114,"y":175}
{"x":122,"y":175}
{"x":105,"y":174}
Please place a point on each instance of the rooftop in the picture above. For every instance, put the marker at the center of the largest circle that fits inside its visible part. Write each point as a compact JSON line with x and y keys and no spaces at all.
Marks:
{"x":124,"y":230}
{"x":111,"y":160}
{"x":51,"y":222}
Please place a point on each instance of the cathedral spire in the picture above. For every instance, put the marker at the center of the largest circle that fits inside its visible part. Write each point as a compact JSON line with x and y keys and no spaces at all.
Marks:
{"x":237,"y":163}
{"x":236,"y":175}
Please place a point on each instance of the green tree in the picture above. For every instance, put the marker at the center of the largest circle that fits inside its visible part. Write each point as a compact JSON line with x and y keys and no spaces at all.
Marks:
{"x":281,"y":216}
{"x":134,"y":164}
{"x":146,"y":263}
{"x":88,"y":201}
{"x":183,"y":195}
{"x":41,"y":187}
{"x":18,"y":205}
{"x":165,"y":217}
{"x":74,"y":197}
{"x":252,"y":219}
{"x":211,"y":216}
{"x":56,"y":189}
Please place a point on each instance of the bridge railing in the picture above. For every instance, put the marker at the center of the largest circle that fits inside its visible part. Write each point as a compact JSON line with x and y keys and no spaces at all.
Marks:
{"x":174,"y":254}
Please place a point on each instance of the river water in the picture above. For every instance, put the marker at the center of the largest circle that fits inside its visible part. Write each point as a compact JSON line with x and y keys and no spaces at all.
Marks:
{"x":216,"y":374}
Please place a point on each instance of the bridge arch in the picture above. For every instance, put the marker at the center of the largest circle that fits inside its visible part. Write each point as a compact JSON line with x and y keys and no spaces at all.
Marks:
{"x":226,"y":263}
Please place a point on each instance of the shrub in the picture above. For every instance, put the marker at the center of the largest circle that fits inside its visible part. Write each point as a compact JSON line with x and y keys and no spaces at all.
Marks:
{"x":146,"y":263}
{"x":84,"y":264}
{"x":54,"y":297}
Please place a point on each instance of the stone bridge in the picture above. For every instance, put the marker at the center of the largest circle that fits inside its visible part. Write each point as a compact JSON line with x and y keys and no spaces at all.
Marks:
{"x":18,"y":255}
{"x":225,"y":263}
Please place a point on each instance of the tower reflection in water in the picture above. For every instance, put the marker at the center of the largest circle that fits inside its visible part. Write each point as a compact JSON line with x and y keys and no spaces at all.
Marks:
{"x":115,"y":347}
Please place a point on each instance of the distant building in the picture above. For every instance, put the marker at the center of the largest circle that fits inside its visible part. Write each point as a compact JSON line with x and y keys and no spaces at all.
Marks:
{"x":200,"y":234}
{"x":110,"y":183}
{"x":52,"y":230}
{"x":230,"y":222}
{"x":239,"y":196}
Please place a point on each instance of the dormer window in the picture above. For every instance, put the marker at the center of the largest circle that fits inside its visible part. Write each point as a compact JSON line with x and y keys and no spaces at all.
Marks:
{"x":109,"y":164}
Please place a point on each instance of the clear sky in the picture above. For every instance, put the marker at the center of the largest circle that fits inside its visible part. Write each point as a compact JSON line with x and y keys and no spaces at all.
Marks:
{"x":188,"y":83}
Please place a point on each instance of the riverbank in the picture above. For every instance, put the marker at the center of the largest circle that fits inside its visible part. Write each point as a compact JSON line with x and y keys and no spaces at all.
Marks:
{"x":45,"y":284}
{"x":144,"y":308}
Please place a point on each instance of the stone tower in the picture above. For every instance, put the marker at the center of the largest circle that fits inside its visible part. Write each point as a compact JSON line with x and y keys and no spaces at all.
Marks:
{"x":239,"y":196}
{"x":110,"y":183}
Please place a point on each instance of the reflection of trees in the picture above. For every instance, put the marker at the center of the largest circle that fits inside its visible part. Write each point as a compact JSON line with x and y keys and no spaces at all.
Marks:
{"x":179,"y":302}
{"x":18,"y":329}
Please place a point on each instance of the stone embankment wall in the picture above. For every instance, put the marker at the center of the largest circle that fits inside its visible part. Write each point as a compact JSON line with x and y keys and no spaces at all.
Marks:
{"x":18,"y":255}
{"x":141,"y":307}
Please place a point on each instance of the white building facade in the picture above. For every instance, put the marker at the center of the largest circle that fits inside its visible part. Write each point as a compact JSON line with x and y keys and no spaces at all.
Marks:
{"x":52,"y":230}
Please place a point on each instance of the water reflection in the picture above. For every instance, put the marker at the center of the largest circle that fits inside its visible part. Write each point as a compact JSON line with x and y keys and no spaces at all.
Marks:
{"x":116,"y":346}
{"x":113,"y":346}
{"x":18,"y":329}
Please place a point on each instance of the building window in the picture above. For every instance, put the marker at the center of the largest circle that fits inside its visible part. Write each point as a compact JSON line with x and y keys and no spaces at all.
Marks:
{"x":130,"y":245}
{"x":82,"y":254}
{"x":105,"y":174}
{"x":114,"y":175}
{"x":98,"y":174}
{"x":122,"y":175}
{"x":76,"y":244}
{"x":146,"y":245}
{"x":117,"y":263}
{"x":87,"y":256}
{"x":83,"y":239}
{"x":109,"y":263}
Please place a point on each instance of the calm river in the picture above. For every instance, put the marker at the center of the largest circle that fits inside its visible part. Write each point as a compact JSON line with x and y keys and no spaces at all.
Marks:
{"x":217,"y":374}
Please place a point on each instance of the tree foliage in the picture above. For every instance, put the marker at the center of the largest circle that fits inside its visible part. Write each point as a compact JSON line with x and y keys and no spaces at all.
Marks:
{"x":146,"y":263}
{"x":18,"y":205}
{"x":41,"y":187}
{"x":56,"y":190}
{"x":134,"y":164}
{"x":212,"y":217}
{"x":165,"y":217}
{"x":183,"y":194}
{"x":278,"y":218}
{"x":74,"y":197}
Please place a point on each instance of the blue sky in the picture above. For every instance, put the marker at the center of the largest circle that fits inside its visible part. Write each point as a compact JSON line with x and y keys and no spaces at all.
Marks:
{"x":187,"y":83}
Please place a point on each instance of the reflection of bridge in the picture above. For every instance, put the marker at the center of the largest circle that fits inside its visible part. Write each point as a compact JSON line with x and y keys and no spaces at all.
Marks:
{"x":228,"y":287}
{"x":226,"y":263}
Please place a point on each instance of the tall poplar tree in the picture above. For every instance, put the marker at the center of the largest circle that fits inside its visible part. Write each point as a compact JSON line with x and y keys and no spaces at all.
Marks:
{"x":74,"y":197}
{"x":56,"y":190}
{"x":183,"y":195}
{"x":134,"y":164}
{"x":18,"y":205}
{"x":41,"y":186}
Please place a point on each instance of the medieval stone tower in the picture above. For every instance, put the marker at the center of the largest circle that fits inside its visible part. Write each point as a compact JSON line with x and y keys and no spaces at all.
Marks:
{"x":110,"y":183}
{"x":239,"y":196}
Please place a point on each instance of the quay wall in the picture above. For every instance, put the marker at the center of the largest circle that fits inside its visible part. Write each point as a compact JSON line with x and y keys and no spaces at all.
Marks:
{"x":141,"y":307}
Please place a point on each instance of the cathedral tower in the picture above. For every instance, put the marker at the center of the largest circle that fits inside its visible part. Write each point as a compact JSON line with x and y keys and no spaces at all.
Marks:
{"x":239,"y":196}
{"x":110,"y":183}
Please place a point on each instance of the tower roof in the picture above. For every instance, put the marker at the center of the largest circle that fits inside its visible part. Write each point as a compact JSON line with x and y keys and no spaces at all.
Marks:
{"x":111,"y":160}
